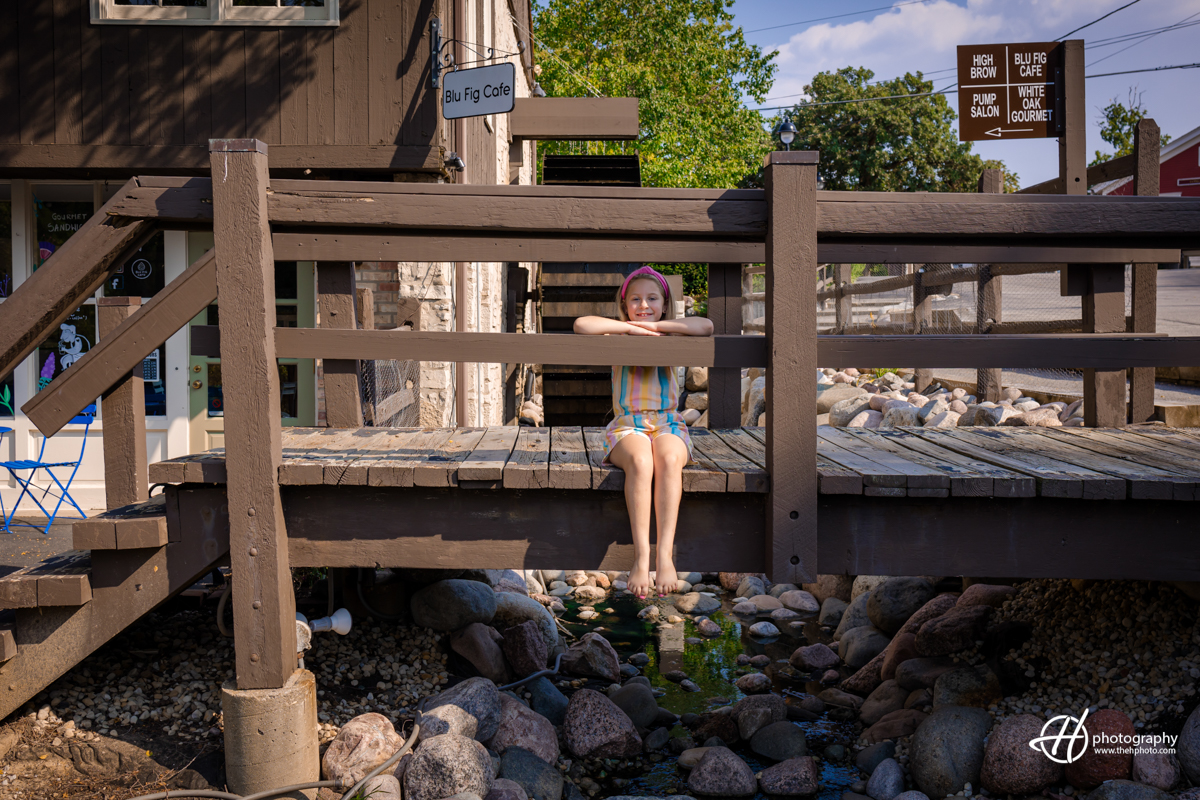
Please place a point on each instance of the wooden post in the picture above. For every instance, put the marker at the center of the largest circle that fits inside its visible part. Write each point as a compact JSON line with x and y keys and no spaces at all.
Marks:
{"x":364,"y":307}
{"x":1104,"y":312}
{"x":1144,"y":289}
{"x":263,"y":603}
{"x":725,"y":312}
{"x":988,"y":308}
{"x":337,"y":297}
{"x":844,"y":303}
{"x":922,"y":317}
{"x":123,"y":409}
{"x":1072,"y":145}
{"x":791,"y":328}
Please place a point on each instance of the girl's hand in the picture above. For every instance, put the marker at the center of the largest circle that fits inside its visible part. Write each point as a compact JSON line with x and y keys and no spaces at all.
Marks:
{"x":650,"y":326}
{"x":642,"y":329}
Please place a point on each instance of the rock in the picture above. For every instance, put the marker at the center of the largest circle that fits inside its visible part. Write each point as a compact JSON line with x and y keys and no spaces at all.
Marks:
{"x":1187,"y":749}
{"x":1128,"y":790}
{"x":957,"y":629}
{"x":779,"y":588}
{"x":1093,"y":768}
{"x":1010,"y":393}
{"x":836,"y":393}
{"x":697,"y":379}
{"x":919,"y":698}
{"x":864,"y":584}
{"x":902,"y":647}
{"x":899,"y":415}
{"x":381,"y":787}
{"x":750,"y":586}
{"x":448,"y":765}
{"x":592,"y":656}
{"x":933,"y":406}
{"x":860,"y":645}
{"x":855,"y":615}
{"x":784,"y":615}
{"x":958,"y":407}
{"x":765,"y":603}
{"x":871,"y":756}
{"x":922,"y":673}
{"x":764,"y":630}
{"x":888,"y":697}
{"x":800,"y":601}
{"x":480,"y":645}
{"x":894,"y":725}
{"x":720,"y":726}
{"x":991,"y":417}
{"x":656,"y":740}
{"x":547,"y":700}
{"x":843,"y":411}
{"x":706,"y":627}
{"x":731,"y":580}
{"x":746,"y":609}
{"x":831,"y":612}
{"x":525,"y":648}
{"x":752,"y":713}
{"x":525,"y":728}
{"x":696,"y":603}
{"x":754,"y":683}
{"x":1010,"y":765}
{"x":638,"y":703}
{"x":868,"y":677}
{"x":892,"y":602}
{"x":1160,"y":770}
{"x":502,"y":789}
{"x":814,"y":657}
{"x":946,"y":419}
{"x":595,"y":727}
{"x":867,"y":419}
{"x":452,"y":604}
{"x":513,"y":609}
{"x":836,"y":697}
{"x":974,"y":686}
{"x":946,"y":751}
{"x":720,"y":772}
{"x":931,"y":610}
{"x":985,"y":594}
{"x":911,"y":794}
{"x":360,"y":746}
{"x":779,"y":741}
{"x":688,"y":759}
{"x":470,"y":708}
{"x":838,"y":586}
{"x":792,"y":778}
{"x":539,"y":780}
{"x":887,"y":780}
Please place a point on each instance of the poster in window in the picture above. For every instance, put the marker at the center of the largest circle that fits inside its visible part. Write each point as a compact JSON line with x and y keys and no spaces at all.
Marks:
{"x":143,"y":275}
{"x":7,"y":401}
{"x":74,"y":337}
{"x":57,"y":221}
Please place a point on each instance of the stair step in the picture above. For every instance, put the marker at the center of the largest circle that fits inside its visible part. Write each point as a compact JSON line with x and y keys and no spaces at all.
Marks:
{"x":206,"y":467}
{"x":60,"y":580}
{"x":128,"y":528}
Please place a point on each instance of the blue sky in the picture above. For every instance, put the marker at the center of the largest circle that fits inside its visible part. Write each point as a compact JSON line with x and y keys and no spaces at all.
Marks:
{"x":911,"y":36}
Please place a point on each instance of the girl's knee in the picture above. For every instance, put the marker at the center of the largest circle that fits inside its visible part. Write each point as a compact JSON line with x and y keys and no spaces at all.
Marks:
{"x":672,"y":458}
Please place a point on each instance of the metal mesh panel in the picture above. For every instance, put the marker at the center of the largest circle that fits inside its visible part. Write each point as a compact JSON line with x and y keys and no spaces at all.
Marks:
{"x":391,"y":393}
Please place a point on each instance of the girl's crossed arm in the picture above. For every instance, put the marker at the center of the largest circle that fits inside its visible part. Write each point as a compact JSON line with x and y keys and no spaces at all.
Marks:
{"x":604,"y":325}
{"x":688,"y":326}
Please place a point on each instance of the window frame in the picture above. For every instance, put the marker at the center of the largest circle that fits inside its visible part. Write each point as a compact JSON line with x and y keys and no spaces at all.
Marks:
{"x":218,"y":12}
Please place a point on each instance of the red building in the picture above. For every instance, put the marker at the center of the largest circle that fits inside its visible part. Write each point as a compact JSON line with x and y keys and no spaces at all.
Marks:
{"x":1179,"y":174}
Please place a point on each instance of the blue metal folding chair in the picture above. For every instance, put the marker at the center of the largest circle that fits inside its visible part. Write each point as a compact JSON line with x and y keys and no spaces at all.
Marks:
{"x":85,"y":418}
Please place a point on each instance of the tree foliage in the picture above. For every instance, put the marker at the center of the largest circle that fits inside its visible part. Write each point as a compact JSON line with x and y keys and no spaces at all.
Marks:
{"x":688,"y":66}
{"x":1118,"y":122}
{"x":900,"y":145}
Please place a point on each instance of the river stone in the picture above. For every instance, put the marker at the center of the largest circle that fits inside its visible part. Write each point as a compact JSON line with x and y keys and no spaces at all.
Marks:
{"x":1127,"y":790}
{"x":541,"y":781}
{"x":894,"y":725}
{"x":722,"y":726}
{"x":967,"y":686}
{"x":448,"y":765}
{"x":931,"y":610}
{"x":958,"y":629}
{"x":814,"y":657}
{"x":855,"y":616}
{"x":656,"y":740}
{"x":720,"y":772}
{"x":765,"y":603}
{"x":381,"y":787}
{"x":911,"y":794}
{"x":470,"y":708}
{"x":838,"y":586}
{"x":480,"y":645}
{"x":513,"y":609}
{"x":835,"y":393}
{"x":763,"y":630}
{"x":900,"y":415}
{"x":985,"y":594}
{"x":886,"y":698}
{"x":547,"y":700}
{"x":706,"y":627}
{"x":831,"y":611}
{"x":696,"y":603}
{"x":841,"y":412}
{"x":1093,"y":768}
{"x":360,"y":746}
{"x":754,"y":683}
{"x":867,"y":678}
{"x":744,"y":608}
{"x":946,"y":751}
{"x":933,"y":406}
{"x":1160,"y":770}
{"x":525,"y":728}
{"x":779,"y":741}
{"x":688,"y":759}
{"x":1010,"y":765}
{"x":592,"y":656}
{"x":869,"y":758}
{"x":638,"y":703}
{"x":836,"y":697}
{"x":502,"y":789}
{"x":596,"y":728}
{"x":800,"y":601}
{"x":902,"y":647}
{"x":750,"y":586}
{"x":452,"y":604}
{"x":892,"y":602}
{"x":887,"y":780}
{"x":795,"y":777}
{"x":860,"y":645}
{"x":779,"y":588}
{"x":1187,"y":749}
{"x":922,"y":673}
{"x":525,"y":648}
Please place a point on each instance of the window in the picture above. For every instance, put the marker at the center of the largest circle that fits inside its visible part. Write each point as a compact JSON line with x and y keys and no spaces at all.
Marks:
{"x":215,"y":12}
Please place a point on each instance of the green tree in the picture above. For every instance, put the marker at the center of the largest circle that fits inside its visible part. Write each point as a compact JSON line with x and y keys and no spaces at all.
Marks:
{"x":1117,"y":124}
{"x":900,"y":145}
{"x":688,"y":66}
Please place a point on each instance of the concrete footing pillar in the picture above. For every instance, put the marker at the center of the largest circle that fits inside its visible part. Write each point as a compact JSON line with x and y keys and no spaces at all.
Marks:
{"x":271,"y":736}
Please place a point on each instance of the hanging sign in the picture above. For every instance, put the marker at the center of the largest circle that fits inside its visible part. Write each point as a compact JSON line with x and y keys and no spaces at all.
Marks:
{"x":1009,"y":91}
{"x":479,"y":91}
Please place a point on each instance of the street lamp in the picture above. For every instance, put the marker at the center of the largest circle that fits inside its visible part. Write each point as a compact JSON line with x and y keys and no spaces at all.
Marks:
{"x":786,"y":132}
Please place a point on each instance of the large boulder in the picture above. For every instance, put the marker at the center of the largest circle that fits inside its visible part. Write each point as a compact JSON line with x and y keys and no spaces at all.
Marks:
{"x":967,"y":686}
{"x":831,"y":611}
{"x":512,"y":609}
{"x":547,"y":700}
{"x":902,"y":647}
{"x":448,"y":765}
{"x":892,"y":602}
{"x":521,"y":726}
{"x":855,"y":615}
{"x":540,"y":780}
{"x":470,"y":708}
{"x":814,"y":657}
{"x":1010,"y":765}
{"x":754,"y":683}
{"x":592,"y":657}
{"x":1130,"y":790}
{"x":596,"y":728}
{"x":525,"y":648}
{"x":931,"y":610}
{"x":946,"y":751}
{"x":860,"y":645}
{"x":360,"y":746}
{"x":958,"y":629}
{"x":1160,"y":770}
{"x":826,"y":586}
{"x":922,"y":673}
{"x":886,"y":698}
{"x":894,"y":725}
{"x":795,"y":777}
{"x":480,"y":645}
{"x":1094,"y":768}
{"x":779,"y":741}
{"x":721,"y":773}
{"x":452,"y":604}
{"x":1187,"y":749}
{"x":751,"y":586}
{"x":841,"y":412}
{"x":831,"y":394}
{"x":638,"y":703}
{"x":503,"y":789}
{"x":751,"y":714}
{"x":986,"y":594}
{"x":887,"y":780}
{"x":800,"y":601}
{"x":868,"y":677}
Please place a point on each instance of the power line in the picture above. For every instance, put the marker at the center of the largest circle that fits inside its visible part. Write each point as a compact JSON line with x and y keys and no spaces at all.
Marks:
{"x":1093,"y":22}
{"x":587,"y":84}
{"x":1147,"y":69}
{"x":1146,"y":38}
{"x":838,"y":16}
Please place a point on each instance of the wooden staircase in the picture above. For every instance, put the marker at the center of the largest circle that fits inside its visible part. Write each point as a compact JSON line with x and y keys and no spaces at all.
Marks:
{"x":123,"y":565}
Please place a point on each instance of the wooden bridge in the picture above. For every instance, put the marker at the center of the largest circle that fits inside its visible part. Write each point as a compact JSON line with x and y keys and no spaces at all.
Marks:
{"x":785,"y":499}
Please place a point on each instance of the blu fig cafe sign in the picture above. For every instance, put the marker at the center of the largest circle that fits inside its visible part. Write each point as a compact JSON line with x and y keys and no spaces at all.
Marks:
{"x":479,"y":91}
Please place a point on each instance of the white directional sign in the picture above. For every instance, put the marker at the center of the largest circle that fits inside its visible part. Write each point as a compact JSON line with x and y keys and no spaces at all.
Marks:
{"x":1008,"y":91}
{"x":479,"y":91}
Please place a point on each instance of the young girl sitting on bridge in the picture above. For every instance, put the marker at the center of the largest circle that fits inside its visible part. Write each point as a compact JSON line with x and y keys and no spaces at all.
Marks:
{"x":647,"y":437}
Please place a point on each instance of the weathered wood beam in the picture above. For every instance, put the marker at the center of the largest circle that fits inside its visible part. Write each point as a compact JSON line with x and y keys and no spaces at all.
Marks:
{"x":1119,"y":167}
{"x":123,"y":349}
{"x":1144,"y":286}
{"x":123,"y":409}
{"x":578,"y":118}
{"x":336,"y":298}
{"x":725,"y":313}
{"x":989,"y":305}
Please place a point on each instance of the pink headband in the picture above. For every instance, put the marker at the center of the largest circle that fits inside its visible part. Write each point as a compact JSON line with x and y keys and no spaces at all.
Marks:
{"x":645,"y":272}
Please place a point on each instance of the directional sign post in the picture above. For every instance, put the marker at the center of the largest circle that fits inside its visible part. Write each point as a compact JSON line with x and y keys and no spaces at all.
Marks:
{"x":1009,"y":91}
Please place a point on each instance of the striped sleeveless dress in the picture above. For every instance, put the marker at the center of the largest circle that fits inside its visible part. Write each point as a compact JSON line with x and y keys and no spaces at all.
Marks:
{"x":645,"y":400}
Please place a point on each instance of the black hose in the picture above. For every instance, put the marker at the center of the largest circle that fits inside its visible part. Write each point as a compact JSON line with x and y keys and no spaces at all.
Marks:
{"x":370,"y":610}
{"x":408,"y":745}
{"x":534,"y":676}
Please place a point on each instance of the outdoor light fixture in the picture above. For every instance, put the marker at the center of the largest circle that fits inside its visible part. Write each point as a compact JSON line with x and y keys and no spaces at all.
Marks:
{"x":786,"y":132}
{"x":454,"y":161}
{"x":538,"y":91}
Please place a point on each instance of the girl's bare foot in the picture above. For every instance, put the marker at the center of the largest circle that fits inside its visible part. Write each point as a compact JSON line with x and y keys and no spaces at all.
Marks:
{"x":666,"y":580}
{"x":639,"y":579}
